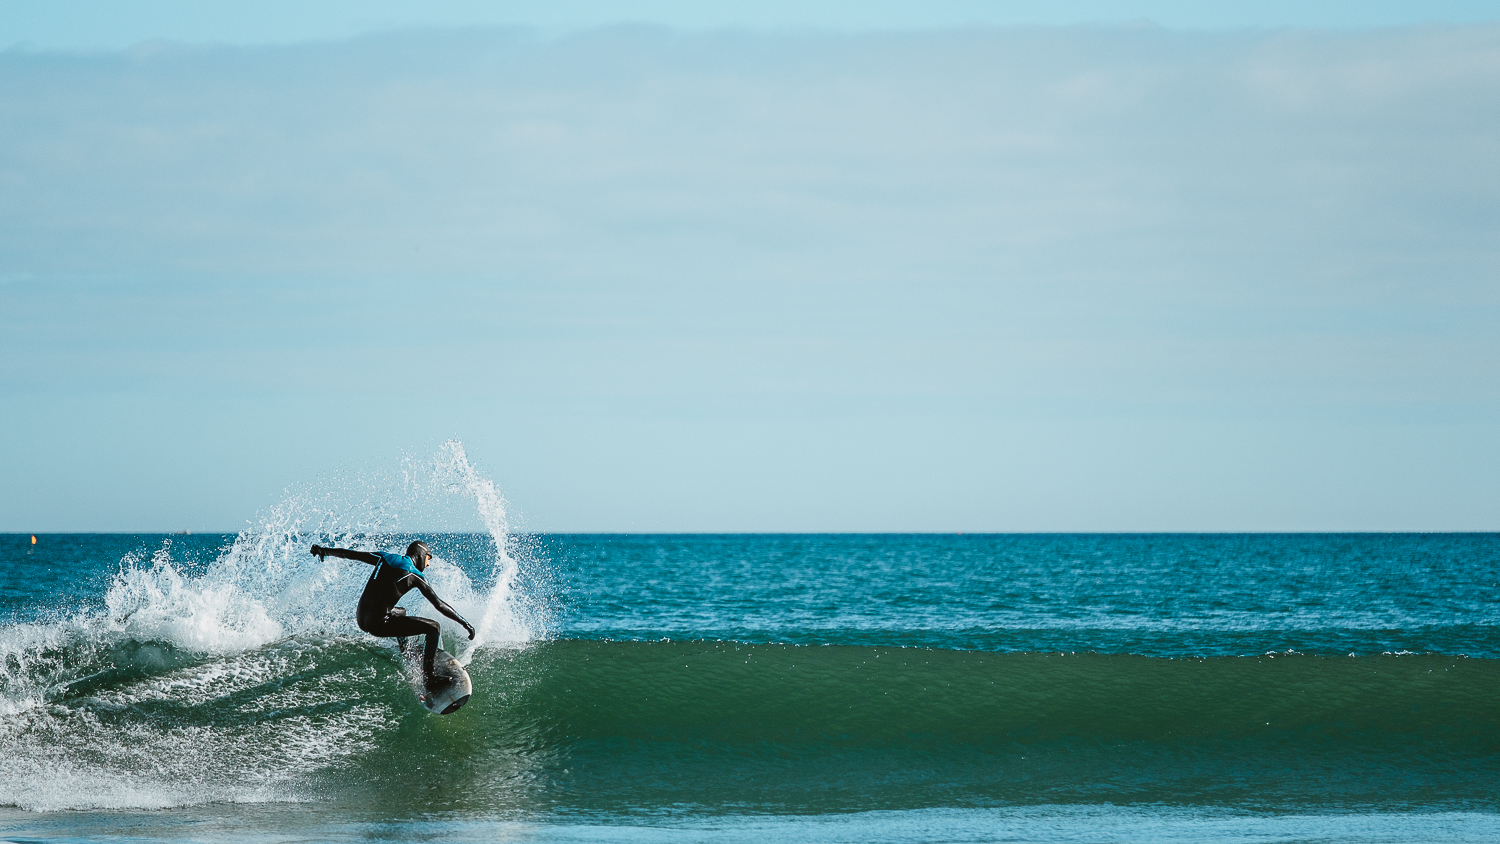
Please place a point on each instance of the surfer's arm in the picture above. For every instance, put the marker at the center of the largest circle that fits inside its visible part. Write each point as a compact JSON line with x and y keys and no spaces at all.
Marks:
{"x":360,"y":556}
{"x":440,"y":605}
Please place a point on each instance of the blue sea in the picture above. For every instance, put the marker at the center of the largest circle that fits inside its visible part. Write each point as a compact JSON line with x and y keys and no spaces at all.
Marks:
{"x":738,"y":688}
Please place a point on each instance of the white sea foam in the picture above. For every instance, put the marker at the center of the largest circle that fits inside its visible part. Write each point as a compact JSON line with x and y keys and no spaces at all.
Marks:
{"x":266,"y":585}
{"x":211,"y":615}
{"x":501,"y":618}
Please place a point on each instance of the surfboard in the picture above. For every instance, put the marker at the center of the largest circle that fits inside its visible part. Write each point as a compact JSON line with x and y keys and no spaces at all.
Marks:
{"x":449,"y":688}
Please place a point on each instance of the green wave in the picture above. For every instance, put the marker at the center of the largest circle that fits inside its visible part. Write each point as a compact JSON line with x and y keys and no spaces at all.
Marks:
{"x":617,"y":726}
{"x":740,"y":694}
{"x":605,"y":726}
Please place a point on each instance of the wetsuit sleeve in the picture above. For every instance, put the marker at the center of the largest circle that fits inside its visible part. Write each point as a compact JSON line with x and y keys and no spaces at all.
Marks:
{"x":360,"y":556}
{"x":438,"y":603}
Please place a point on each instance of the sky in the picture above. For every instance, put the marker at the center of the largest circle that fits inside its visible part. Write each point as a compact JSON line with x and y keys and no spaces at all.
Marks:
{"x":117,"y":24}
{"x":698,"y":267}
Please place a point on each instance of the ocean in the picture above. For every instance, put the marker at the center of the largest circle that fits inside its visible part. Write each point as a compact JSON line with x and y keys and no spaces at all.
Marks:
{"x":795,"y":688}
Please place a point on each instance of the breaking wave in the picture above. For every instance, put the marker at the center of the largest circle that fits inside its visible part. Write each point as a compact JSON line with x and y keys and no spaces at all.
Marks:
{"x":237,"y":679}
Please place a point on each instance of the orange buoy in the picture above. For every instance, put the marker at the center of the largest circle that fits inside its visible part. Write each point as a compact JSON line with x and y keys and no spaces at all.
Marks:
{"x":33,"y":539}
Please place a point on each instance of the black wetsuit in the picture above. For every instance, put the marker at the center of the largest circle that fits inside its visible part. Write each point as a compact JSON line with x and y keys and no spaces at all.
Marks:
{"x":378,"y":614}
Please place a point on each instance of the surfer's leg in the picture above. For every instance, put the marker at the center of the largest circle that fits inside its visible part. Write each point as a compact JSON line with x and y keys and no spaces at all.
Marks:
{"x":405,"y":626}
{"x":414,"y":626}
{"x":430,"y":655}
{"x":432,"y":631}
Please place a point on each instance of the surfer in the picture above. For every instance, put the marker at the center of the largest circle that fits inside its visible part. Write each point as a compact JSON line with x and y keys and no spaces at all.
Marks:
{"x":394,"y":576}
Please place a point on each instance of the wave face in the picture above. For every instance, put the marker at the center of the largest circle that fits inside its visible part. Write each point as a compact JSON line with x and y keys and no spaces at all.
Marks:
{"x":745,"y":695}
{"x":581,"y":726}
{"x":827,"y":728}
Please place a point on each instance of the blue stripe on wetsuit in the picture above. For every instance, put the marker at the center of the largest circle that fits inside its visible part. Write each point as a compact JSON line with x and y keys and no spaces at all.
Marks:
{"x":398,"y":561}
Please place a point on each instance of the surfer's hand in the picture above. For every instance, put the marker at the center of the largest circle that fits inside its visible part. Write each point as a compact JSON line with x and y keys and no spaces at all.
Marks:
{"x":469,"y":627}
{"x":318,"y":552}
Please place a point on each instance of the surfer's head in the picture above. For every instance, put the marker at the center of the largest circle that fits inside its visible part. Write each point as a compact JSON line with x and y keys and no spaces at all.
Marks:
{"x":419,"y":553}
